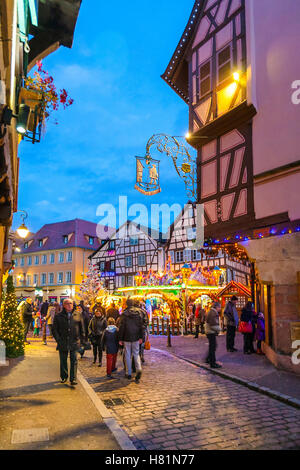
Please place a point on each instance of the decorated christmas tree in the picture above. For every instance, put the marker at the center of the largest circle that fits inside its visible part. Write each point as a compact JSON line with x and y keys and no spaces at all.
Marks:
{"x":11,"y":328}
{"x":92,"y":286}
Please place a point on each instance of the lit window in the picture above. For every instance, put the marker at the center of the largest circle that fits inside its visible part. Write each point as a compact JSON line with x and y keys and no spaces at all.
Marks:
{"x":60,"y":278}
{"x":224,"y":64}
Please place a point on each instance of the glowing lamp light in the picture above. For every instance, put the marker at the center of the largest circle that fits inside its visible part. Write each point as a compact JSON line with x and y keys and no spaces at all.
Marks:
{"x":231,"y":89}
{"x":23,"y":231}
{"x":236,"y":76}
{"x":188,"y":135}
{"x":22,"y":120}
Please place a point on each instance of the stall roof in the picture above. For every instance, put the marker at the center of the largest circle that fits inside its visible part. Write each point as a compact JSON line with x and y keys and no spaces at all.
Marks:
{"x":234,"y":287}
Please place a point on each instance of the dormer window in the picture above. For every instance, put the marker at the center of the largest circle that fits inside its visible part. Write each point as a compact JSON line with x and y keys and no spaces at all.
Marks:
{"x":40,"y":242}
{"x":91,"y":240}
{"x":26,"y":245}
{"x":65,"y":239}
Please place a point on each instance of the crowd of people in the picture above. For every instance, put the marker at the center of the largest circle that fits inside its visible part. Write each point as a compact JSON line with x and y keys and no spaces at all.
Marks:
{"x":76,"y":329}
{"x":126,"y":329}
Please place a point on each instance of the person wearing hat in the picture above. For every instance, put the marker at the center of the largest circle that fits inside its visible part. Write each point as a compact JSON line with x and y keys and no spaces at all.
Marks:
{"x":232,"y":320}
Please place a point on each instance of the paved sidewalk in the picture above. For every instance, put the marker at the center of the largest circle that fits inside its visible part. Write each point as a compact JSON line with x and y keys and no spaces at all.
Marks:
{"x":253,"y":368}
{"x":32,"y":398}
{"x":180,"y":406}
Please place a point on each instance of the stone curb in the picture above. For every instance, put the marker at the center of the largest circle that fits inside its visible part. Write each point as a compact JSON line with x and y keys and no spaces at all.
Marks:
{"x":119,"y":434}
{"x":251,"y":385}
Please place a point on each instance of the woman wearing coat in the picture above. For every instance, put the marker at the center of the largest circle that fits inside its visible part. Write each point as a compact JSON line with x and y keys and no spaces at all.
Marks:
{"x":247,"y":316}
{"x":97,"y":326}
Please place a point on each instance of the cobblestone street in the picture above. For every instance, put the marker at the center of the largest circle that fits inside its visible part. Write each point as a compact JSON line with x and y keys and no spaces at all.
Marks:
{"x":180,"y":406}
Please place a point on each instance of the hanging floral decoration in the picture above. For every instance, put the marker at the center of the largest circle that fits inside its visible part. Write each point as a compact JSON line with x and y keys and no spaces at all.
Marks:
{"x":53,"y":99}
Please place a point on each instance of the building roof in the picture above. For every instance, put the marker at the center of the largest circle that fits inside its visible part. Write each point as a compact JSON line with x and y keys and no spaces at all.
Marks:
{"x":176,"y":74}
{"x":77,"y":230}
{"x":56,"y":25}
{"x":158,"y":236}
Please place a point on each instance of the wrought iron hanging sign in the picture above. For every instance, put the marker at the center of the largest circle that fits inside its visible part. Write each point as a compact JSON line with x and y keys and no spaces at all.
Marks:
{"x":147,"y":169}
{"x":147,"y":176}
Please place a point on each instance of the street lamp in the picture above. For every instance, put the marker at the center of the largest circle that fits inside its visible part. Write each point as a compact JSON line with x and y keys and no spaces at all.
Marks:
{"x":23,"y":231}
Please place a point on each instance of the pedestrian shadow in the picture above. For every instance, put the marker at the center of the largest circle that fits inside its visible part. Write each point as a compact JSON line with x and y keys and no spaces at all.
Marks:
{"x":29,"y":389}
{"x":95,"y":431}
{"x":11,"y":404}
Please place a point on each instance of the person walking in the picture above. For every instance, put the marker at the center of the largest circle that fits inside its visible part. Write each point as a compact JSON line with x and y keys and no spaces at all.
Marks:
{"x":96,"y":327}
{"x":145,"y":322}
{"x":37,"y":324}
{"x":212,"y":329}
{"x":27,"y":311}
{"x":131,"y":334}
{"x":246,"y":327}
{"x":44,"y":308}
{"x":66,"y":332}
{"x":199,"y":320}
{"x":78,"y":317}
{"x":260,"y":334}
{"x":232,"y":320}
{"x":110,"y":344}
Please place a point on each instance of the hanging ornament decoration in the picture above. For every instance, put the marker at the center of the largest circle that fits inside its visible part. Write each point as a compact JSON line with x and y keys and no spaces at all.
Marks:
{"x":147,"y":176}
{"x":92,"y":286}
{"x":147,"y":169}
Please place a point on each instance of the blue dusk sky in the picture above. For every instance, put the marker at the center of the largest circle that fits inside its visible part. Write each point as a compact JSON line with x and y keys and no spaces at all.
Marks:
{"x":113,"y":73}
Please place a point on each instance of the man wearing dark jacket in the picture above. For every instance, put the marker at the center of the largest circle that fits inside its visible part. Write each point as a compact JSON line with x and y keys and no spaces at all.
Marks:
{"x":131,"y":334}
{"x":232,"y":321}
{"x":27,"y":311}
{"x":67,"y":335}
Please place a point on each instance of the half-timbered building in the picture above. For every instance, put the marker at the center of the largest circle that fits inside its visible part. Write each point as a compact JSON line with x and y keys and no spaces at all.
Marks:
{"x":132,"y":249}
{"x":237,"y":68}
{"x":180,"y":249}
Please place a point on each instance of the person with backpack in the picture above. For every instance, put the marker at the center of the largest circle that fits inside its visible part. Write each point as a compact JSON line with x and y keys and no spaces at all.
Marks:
{"x":131,"y":335}
{"x":110,"y":344}
{"x":96,"y":328}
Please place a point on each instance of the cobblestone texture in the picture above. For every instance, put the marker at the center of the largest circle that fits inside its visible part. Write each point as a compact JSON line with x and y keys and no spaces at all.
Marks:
{"x":179,"y":406}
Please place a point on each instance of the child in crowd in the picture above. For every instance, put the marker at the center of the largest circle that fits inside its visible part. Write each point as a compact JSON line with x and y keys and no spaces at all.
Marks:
{"x":110,"y":343}
{"x":37,"y":324}
{"x":260,"y":332}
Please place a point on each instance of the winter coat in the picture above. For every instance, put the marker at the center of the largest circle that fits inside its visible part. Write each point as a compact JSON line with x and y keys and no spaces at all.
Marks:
{"x":96,"y":328}
{"x":67,"y":332}
{"x":110,"y":340}
{"x":131,"y":325}
{"x":37,"y":322}
{"x":145,"y":321}
{"x":247,"y":315}
{"x":112,"y":313}
{"x":44,"y":309}
{"x":27,"y":311}
{"x":212,"y":326}
{"x":50,"y":315}
{"x":231,"y":315}
{"x":260,"y":328}
{"x":199,"y":316}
